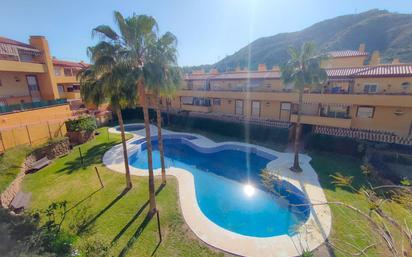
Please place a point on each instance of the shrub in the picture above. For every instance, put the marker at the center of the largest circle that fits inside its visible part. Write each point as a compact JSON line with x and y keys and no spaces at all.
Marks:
{"x":232,"y":129}
{"x":340,"y":145}
{"x":84,"y":123}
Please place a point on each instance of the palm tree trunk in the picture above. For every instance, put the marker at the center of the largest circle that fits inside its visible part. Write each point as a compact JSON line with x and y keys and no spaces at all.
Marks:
{"x":168,"y":111}
{"x":296,"y":167}
{"x":126,"y":159}
{"x":143,"y":102}
{"x":160,"y":139}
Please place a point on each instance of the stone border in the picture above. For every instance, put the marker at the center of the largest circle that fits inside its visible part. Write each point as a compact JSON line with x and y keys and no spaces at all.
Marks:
{"x":310,"y":236}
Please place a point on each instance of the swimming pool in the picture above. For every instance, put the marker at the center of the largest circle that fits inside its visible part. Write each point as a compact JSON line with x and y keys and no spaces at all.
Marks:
{"x":131,"y":127}
{"x":228,"y":188}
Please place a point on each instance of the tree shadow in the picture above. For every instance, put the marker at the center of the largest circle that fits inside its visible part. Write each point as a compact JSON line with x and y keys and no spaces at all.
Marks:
{"x":133,"y":219}
{"x":82,"y":200}
{"x":91,"y":221}
{"x":137,"y":234}
{"x":92,"y":156}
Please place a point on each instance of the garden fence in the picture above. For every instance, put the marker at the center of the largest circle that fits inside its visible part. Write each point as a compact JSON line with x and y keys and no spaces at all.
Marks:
{"x":31,"y":134}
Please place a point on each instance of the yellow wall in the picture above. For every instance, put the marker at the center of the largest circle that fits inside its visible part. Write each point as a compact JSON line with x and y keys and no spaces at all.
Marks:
{"x":339,"y":62}
{"x":47,"y":82}
{"x":33,"y":134}
{"x":385,"y":119}
{"x":60,"y":112}
{"x":385,"y":85}
{"x":13,"y":84}
{"x":22,"y":66}
{"x":239,"y":85}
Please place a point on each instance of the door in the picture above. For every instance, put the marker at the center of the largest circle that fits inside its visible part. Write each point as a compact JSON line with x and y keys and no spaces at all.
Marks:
{"x":255,"y":108}
{"x":239,"y":107}
{"x":285,"y":111}
{"x":33,"y":86}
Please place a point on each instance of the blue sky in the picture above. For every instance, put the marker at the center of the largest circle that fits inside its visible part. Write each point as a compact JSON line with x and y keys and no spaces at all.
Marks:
{"x":207,"y":31}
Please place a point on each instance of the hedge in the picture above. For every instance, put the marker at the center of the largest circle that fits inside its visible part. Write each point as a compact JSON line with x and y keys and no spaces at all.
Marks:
{"x":84,"y":123}
{"x":233,"y":129}
{"x":340,"y":145}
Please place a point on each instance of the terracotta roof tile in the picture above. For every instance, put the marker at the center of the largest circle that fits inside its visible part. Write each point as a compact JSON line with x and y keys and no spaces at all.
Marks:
{"x":69,"y":64}
{"x":8,"y":41}
{"x":347,"y":53}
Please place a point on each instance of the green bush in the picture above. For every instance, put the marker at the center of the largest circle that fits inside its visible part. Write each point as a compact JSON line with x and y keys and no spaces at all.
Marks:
{"x":84,"y":123}
{"x":232,"y":129}
{"x":340,"y":145}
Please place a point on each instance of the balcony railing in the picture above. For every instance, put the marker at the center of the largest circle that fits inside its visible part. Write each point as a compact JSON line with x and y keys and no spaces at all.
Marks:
{"x":265,"y":90}
{"x":33,"y":105}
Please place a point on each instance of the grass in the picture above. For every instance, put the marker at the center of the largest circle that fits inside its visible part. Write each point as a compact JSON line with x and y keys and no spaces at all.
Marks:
{"x":105,"y":215}
{"x":350,"y":232}
{"x":119,"y":221}
{"x":11,"y":163}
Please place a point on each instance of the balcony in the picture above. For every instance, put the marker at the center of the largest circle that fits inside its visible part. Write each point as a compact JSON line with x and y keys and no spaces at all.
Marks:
{"x":390,"y":100}
{"x":323,"y":121}
{"x":196,"y":108}
{"x":16,"y":66}
{"x":29,"y":106}
{"x":70,"y":95}
{"x":66,"y":79}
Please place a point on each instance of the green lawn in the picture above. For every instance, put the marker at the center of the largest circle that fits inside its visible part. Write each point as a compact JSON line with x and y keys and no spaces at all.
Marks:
{"x":110,"y":217}
{"x":119,"y":221}
{"x":10,"y":164}
{"x":349,"y":230}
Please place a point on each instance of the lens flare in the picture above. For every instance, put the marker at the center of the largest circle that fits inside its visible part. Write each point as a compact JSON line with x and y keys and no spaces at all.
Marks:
{"x":249,"y":190}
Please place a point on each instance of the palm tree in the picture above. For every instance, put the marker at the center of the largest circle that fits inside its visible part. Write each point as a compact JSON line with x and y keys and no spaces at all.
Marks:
{"x":303,"y":70}
{"x":162,"y":78}
{"x":137,"y":39}
{"x":103,"y":81}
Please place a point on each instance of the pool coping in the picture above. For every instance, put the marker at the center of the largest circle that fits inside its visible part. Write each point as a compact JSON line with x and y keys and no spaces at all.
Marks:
{"x":310,"y":236}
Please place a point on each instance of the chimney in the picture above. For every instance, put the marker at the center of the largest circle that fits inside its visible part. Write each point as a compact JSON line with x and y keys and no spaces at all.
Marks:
{"x":362,"y":47}
{"x":262,"y":67}
{"x":213,"y":71}
{"x":375,"y":58}
{"x":275,"y":68}
{"x":396,"y":61}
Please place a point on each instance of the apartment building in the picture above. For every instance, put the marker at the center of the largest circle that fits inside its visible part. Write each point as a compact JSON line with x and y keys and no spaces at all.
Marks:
{"x":370,"y":101}
{"x":37,"y":92}
{"x":28,"y":73}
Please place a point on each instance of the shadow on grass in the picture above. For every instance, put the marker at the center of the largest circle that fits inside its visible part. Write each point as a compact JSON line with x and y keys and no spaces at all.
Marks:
{"x":92,"y":156}
{"x":82,"y":200}
{"x":91,"y":221}
{"x":137,"y":234}
{"x":133,"y":219}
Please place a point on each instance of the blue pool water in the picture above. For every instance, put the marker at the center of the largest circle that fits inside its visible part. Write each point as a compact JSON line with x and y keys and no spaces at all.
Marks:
{"x":132,"y":127}
{"x":221,"y":178}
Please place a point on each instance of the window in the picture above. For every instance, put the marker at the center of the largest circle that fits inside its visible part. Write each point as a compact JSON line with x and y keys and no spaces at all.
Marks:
{"x":60,"y":88}
{"x":255,"y":108}
{"x":365,"y":112}
{"x":216,"y":101}
{"x":32,"y":83}
{"x":68,"y":72}
{"x":188,"y":100}
{"x":405,"y":85}
{"x":239,"y":107}
{"x":57,"y":71}
{"x":190,"y":85}
{"x":76,"y":87}
{"x":285,"y":106}
{"x":370,"y":88}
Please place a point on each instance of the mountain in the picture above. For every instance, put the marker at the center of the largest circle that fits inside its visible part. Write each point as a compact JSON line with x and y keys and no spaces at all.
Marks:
{"x":390,"y":33}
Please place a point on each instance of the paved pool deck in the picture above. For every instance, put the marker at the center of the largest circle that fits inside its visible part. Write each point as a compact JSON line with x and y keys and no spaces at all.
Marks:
{"x":310,"y":235}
